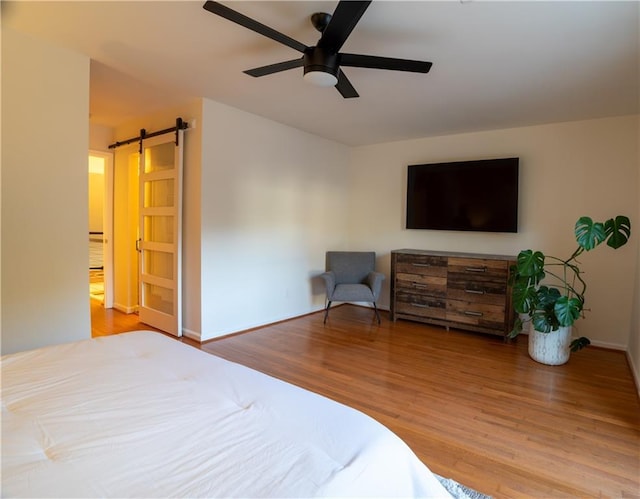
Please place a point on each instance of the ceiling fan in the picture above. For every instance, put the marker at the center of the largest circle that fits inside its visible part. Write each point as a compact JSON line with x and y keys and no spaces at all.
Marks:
{"x":323,"y":61}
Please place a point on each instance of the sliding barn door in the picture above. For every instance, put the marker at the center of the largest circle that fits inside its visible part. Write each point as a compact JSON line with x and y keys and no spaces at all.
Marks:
{"x":160,"y":226}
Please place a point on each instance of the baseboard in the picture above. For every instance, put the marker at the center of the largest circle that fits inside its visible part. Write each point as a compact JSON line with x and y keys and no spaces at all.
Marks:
{"x":124,"y":309}
{"x":634,"y":371}
{"x":192,"y":335}
{"x":609,"y":346}
{"x":203,"y":338}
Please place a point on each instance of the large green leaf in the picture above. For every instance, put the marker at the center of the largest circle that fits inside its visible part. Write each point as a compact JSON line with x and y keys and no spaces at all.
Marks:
{"x":579,"y":344}
{"x":547,"y":297}
{"x":589,"y":234}
{"x":524,"y":298}
{"x":531,"y":264}
{"x":618,"y":231}
{"x":567,"y":310}
{"x":544,"y":322}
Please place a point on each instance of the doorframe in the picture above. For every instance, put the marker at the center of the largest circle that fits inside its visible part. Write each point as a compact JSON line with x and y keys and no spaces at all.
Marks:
{"x":107,"y":225}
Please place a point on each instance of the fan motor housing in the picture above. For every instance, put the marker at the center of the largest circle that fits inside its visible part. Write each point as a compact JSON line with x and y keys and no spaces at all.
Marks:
{"x":317,"y":59}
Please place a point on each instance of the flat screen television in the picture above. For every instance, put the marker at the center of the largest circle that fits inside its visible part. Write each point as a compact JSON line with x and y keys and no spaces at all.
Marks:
{"x":479,"y":195}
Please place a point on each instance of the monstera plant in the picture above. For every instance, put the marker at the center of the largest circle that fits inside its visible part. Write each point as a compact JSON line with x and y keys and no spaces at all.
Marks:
{"x":549,"y":291}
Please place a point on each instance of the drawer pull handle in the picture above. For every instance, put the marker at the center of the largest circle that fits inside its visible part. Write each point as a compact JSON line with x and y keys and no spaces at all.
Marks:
{"x":419,"y":305}
{"x":474,"y":291}
{"x":472,"y":313}
{"x":475,"y":269}
{"x":421,"y":264}
{"x":419,"y":286}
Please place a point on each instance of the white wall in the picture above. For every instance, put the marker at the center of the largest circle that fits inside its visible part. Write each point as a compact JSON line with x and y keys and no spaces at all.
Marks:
{"x":566,"y":170}
{"x":45,"y":245}
{"x":274,"y":200}
{"x":100,"y":137}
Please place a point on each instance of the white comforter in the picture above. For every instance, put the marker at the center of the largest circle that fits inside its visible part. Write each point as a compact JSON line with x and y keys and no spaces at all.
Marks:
{"x":143,"y":415}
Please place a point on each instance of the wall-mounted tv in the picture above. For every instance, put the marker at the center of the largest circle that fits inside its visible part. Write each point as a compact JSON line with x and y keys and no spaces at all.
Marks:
{"x":479,"y":195}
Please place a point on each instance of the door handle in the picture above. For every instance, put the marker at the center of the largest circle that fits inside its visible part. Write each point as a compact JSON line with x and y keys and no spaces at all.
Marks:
{"x":476,"y":269}
{"x":472,"y":313}
{"x":138,"y":241}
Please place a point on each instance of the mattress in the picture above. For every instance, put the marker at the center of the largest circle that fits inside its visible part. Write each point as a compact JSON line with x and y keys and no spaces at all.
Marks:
{"x":143,"y":415}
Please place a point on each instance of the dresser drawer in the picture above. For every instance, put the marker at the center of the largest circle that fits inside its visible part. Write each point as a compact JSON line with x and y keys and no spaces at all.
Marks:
{"x":425,"y":265}
{"x":476,"y":314}
{"x":422,"y":284}
{"x":478,"y":268}
{"x":480,"y":289}
{"x":475,"y":293}
{"x":421,"y":305}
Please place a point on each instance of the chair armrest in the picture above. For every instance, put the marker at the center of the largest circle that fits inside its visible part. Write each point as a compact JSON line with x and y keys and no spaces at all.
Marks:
{"x":329,"y":281}
{"x":374,"y":281}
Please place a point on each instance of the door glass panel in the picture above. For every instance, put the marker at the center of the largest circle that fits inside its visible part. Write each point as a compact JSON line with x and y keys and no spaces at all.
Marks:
{"x":158,"y":229}
{"x":158,"y":193}
{"x":158,"y":298}
{"x":158,"y":263}
{"x":160,"y":157}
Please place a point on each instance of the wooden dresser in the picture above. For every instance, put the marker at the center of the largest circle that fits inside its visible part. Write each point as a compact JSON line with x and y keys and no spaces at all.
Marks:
{"x":460,"y":290}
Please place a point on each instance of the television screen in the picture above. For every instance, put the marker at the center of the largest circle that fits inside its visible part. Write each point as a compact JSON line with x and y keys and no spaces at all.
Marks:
{"x":480,"y":195}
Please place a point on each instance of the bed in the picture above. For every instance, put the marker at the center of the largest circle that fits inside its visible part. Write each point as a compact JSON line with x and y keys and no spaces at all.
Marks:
{"x":143,"y":415}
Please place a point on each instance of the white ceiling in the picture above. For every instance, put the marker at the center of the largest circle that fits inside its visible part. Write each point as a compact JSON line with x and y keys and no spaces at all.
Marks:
{"x":495,"y":64}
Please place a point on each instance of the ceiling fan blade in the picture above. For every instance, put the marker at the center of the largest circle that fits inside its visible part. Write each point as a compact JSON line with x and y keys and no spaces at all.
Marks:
{"x":275,"y":68}
{"x":345,"y":87}
{"x":344,"y":19}
{"x":247,"y":22}
{"x":374,"y":62}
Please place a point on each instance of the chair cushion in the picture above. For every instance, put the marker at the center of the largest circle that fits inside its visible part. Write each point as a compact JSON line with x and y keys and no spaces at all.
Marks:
{"x":352,"y":292}
{"x":351,"y":266}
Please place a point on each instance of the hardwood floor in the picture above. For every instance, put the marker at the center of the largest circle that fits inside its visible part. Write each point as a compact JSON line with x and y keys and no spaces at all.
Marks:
{"x":110,"y":321}
{"x":472,"y":407}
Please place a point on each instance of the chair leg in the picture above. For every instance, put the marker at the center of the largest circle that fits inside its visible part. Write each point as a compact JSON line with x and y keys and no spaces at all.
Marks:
{"x":376,"y":311}
{"x":326,"y":312}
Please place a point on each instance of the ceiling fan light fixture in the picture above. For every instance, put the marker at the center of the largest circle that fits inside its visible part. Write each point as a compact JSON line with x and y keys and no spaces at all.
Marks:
{"x":320,"y":78}
{"x":322,"y":61}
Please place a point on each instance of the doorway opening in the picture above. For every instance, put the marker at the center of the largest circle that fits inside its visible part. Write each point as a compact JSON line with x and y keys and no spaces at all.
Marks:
{"x":101,"y":228}
{"x":142,"y":231}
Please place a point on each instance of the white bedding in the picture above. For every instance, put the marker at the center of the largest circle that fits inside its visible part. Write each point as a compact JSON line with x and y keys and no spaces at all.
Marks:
{"x":143,"y":415}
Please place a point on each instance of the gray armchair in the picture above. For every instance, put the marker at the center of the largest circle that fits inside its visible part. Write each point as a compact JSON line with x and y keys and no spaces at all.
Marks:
{"x":351,"y":276}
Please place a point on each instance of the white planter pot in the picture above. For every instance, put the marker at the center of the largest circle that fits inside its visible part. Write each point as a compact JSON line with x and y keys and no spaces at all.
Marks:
{"x":551,"y":348}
